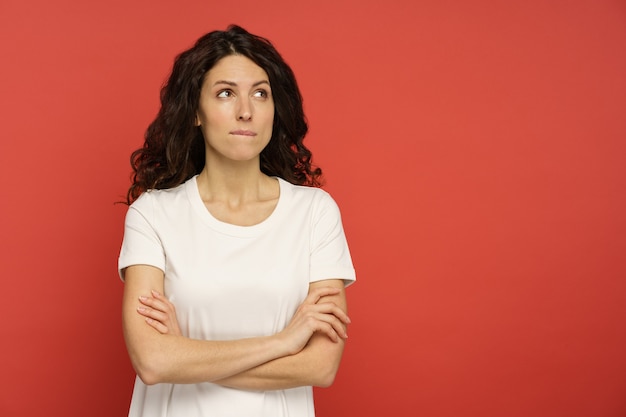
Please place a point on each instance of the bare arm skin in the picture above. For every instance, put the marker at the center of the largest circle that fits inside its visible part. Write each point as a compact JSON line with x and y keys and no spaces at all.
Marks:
{"x":167,"y":357}
{"x":315,"y":365}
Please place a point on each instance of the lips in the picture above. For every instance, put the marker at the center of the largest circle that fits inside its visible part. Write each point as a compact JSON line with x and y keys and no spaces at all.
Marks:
{"x":243,"y":132}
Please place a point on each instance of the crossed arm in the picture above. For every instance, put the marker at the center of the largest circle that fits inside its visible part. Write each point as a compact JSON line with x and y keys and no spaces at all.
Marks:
{"x":307,"y":352}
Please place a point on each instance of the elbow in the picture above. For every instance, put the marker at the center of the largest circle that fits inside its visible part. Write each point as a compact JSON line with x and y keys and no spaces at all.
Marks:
{"x":326,"y":375}
{"x":149,"y":370}
{"x":326,"y":381}
{"x":148,"y":376}
{"x":326,"y":360}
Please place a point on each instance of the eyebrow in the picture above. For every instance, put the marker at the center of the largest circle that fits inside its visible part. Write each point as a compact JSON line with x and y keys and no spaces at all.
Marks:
{"x":234,"y":84}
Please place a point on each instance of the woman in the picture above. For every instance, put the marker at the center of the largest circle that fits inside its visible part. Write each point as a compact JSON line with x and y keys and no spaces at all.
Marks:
{"x":234,"y":262}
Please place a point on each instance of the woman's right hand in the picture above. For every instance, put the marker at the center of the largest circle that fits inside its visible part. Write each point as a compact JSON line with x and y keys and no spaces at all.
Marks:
{"x":315,"y":315}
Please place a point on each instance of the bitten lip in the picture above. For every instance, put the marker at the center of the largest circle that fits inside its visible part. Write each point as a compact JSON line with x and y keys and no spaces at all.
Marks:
{"x":243,"y":132}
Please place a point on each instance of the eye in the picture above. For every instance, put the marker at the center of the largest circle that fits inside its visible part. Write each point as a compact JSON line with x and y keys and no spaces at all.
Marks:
{"x":224,"y":94}
{"x":261,"y":94}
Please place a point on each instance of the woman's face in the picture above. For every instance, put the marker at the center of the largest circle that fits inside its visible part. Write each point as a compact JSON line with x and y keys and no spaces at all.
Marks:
{"x":236,"y":110}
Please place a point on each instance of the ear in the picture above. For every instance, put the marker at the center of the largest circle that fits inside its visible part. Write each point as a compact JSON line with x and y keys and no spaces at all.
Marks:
{"x":197,"y":122}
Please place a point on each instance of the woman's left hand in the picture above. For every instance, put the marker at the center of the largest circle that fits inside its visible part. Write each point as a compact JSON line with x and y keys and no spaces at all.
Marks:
{"x":160,"y":313}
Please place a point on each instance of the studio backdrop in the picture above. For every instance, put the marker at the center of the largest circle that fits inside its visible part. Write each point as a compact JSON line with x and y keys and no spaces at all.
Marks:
{"x":476,"y":150}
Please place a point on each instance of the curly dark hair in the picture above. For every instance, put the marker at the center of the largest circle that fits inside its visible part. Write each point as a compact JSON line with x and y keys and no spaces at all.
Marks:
{"x":173,"y":150}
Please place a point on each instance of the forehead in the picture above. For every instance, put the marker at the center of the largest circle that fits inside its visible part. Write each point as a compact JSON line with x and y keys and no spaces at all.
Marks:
{"x":236,"y":68}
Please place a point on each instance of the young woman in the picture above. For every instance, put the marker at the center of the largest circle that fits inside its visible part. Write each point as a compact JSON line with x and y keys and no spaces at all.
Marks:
{"x":234,"y":261}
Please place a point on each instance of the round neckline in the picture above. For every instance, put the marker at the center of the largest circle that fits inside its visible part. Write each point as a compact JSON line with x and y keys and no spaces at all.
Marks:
{"x":193,"y":194}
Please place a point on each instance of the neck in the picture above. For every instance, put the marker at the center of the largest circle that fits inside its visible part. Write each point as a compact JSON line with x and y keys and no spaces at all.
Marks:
{"x":233,"y":182}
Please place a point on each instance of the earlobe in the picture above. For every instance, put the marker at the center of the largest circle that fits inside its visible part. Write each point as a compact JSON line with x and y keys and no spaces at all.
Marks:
{"x":197,"y":123}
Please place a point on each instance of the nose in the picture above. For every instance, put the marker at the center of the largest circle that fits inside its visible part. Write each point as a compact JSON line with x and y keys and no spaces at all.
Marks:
{"x":245,"y":110}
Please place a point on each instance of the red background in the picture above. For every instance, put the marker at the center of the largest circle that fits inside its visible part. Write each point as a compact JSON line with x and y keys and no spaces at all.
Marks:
{"x":476,"y":149}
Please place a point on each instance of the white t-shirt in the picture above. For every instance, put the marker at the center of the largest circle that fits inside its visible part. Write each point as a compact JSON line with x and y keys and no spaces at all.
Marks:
{"x":230,"y":282}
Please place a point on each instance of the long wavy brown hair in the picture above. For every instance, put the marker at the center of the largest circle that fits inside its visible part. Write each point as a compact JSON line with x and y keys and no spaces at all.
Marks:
{"x":173,"y":150}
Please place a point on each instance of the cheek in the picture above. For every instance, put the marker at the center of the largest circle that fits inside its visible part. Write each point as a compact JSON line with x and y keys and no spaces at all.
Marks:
{"x":269,"y":118}
{"x":216,"y":118}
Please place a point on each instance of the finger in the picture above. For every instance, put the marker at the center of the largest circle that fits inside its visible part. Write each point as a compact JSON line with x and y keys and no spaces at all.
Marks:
{"x":328,"y":308}
{"x":157,"y":295}
{"x":160,"y":305}
{"x":338,"y":327}
{"x":155,"y":319}
{"x":325,"y":321}
{"x":331,"y":314}
{"x":334,"y":309}
{"x":155,"y":314}
{"x":315,"y":295}
{"x":328,"y":330}
{"x":160,"y":327}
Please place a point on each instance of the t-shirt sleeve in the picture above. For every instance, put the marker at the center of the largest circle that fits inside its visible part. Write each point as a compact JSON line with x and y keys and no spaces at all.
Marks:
{"x":330,"y":256}
{"x":141,"y":244}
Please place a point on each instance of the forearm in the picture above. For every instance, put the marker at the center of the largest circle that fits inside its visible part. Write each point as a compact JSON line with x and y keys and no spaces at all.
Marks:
{"x":315,"y":365}
{"x":172,"y":358}
{"x":176,"y":359}
{"x":306,"y":352}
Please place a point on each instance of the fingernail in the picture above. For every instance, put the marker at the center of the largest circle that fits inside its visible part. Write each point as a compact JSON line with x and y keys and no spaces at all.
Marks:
{"x":141,"y":309}
{"x":155,"y":293}
{"x":143,"y":298}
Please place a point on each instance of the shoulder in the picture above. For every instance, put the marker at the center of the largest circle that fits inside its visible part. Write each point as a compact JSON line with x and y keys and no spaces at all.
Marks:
{"x":303,"y":193}
{"x":317,"y":200}
{"x":152,"y":199}
{"x":155,"y":206}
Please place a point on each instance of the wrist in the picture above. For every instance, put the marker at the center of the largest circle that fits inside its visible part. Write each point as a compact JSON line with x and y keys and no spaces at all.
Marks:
{"x":281,"y":345}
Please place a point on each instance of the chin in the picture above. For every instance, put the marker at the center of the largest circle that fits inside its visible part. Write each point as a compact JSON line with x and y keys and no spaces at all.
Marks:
{"x":245,"y":157}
